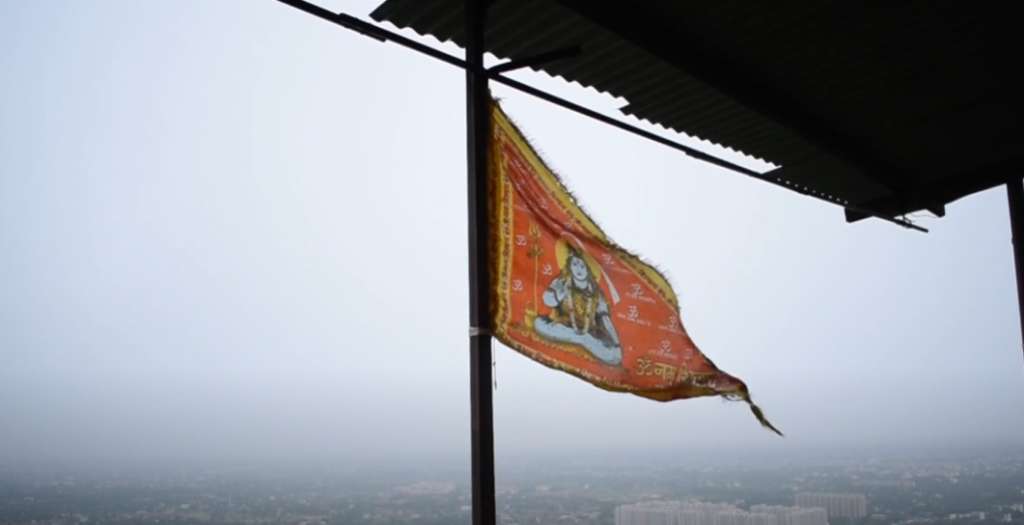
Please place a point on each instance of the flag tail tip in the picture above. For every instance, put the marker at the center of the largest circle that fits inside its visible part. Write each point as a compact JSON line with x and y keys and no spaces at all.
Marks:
{"x":763,"y":420}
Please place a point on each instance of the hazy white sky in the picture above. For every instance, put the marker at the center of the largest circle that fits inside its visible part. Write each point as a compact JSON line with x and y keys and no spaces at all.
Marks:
{"x":229,"y":229}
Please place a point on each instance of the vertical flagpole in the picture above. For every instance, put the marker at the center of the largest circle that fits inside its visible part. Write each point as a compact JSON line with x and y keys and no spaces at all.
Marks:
{"x":481,"y":393}
{"x":1015,"y":198}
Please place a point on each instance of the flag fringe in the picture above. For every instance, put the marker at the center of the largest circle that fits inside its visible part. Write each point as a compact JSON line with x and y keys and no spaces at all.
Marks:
{"x":760,"y":417}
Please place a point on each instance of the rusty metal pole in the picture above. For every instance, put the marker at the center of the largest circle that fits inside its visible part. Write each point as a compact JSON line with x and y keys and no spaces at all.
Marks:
{"x":481,"y":394}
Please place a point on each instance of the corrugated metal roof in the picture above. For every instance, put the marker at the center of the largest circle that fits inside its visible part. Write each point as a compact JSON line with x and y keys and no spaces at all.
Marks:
{"x":893,"y":105}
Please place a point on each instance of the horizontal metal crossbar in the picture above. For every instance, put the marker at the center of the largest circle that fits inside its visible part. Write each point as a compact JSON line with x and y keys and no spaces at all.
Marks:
{"x":383,"y":35}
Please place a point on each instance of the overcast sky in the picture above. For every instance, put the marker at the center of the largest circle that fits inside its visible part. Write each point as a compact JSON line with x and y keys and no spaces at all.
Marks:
{"x":230,"y":229}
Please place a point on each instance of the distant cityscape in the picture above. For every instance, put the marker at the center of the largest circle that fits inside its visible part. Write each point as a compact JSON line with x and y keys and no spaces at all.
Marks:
{"x":869,"y":490}
{"x":810,"y":509}
{"x":702,"y":513}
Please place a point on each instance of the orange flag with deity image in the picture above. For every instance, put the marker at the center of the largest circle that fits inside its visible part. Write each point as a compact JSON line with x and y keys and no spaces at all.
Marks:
{"x":568,"y":297}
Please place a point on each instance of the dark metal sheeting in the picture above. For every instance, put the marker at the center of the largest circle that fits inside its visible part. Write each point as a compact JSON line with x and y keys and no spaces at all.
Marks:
{"x":891,"y":106}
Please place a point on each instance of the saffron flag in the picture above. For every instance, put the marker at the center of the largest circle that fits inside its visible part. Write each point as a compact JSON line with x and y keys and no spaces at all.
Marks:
{"x":568,"y":297}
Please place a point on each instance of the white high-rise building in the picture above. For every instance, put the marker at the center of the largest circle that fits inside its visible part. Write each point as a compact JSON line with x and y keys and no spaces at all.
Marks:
{"x":761,"y":519}
{"x":837,"y":505}
{"x":673,"y":513}
{"x":792,"y":515}
{"x":701,"y":513}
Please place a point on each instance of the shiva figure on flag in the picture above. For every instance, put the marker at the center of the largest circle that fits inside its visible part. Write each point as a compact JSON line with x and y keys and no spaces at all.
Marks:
{"x":568,"y":297}
{"x":580,"y":313}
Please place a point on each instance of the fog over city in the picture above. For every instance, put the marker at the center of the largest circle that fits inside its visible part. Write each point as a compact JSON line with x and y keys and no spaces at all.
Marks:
{"x":232,"y":232}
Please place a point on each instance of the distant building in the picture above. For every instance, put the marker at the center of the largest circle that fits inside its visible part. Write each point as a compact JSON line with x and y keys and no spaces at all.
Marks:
{"x":837,"y":505}
{"x":701,"y":513}
{"x":675,"y":513}
{"x":793,"y":515}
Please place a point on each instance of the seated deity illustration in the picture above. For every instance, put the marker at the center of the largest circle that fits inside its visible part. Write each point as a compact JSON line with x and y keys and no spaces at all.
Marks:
{"x":580,"y":313}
